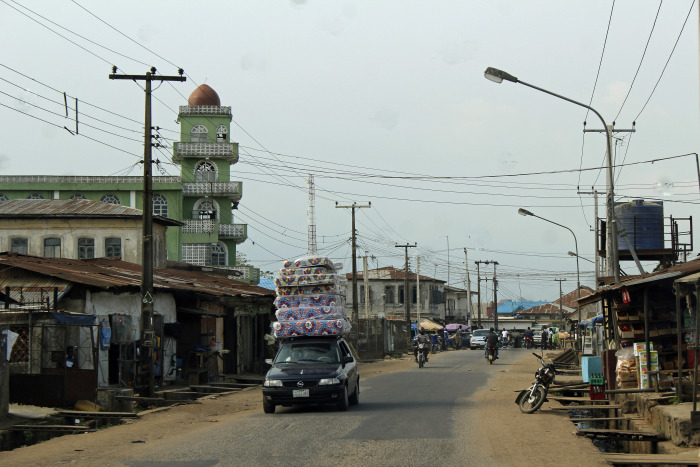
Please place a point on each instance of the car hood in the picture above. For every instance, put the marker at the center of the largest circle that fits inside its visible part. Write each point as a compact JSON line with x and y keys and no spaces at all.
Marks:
{"x":294,"y":370}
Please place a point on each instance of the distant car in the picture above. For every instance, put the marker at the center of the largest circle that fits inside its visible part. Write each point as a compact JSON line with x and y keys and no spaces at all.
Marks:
{"x":311,"y":371}
{"x":537,"y":338}
{"x":478,"y":340}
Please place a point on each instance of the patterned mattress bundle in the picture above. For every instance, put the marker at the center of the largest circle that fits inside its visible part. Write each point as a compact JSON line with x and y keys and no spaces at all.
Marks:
{"x":310,"y":299}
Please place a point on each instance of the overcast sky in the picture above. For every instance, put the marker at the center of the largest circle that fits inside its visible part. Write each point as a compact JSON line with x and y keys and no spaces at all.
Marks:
{"x":383,"y":102}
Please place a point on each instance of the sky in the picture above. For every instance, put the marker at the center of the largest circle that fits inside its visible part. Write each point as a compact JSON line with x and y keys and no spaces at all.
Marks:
{"x":383,"y":102}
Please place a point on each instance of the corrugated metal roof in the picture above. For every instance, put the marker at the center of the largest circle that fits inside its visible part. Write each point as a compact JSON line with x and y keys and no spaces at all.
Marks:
{"x":112,"y":274}
{"x":76,"y":208}
{"x":390,"y":273}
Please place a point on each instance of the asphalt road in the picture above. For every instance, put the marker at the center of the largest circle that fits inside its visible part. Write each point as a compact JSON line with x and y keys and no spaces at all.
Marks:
{"x":418,"y":417}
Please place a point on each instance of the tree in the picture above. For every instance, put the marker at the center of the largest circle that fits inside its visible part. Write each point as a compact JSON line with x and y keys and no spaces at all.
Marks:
{"x":242,"y":260}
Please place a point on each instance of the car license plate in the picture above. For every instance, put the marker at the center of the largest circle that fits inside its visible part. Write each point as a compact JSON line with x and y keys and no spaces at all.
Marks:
{"x":300,"y":393}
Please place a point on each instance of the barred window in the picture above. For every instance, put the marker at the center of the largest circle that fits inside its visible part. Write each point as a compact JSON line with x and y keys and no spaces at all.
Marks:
{"x":160,"y":205}
{"x":4,"y":197}
{"x":78,"y":196}
{"x":52,"y":247}
{"x":196,"y":253}
{"x":19,"y":245}
{"x":218,"y":255}
{"x":221,"y":134}
{"x":113,"y":247}
{"x":205,"y":172}
{"x":35,"y":196}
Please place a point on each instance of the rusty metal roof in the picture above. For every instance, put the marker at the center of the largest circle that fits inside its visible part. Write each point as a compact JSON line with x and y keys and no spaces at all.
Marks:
{"x":390,"y":273}
{"x":111,"y":274}
{"x":74,"y":208}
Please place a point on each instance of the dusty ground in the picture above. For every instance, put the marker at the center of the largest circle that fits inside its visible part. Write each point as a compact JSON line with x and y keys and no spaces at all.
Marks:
{"x":514,"y":438}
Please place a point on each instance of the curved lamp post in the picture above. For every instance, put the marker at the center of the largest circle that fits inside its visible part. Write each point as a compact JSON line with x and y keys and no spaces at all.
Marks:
{"x":612,"y":261}
{"x":525,"y":212}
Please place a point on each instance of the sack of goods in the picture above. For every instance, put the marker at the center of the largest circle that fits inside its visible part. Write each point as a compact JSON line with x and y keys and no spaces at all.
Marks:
{"x":310,"y":299}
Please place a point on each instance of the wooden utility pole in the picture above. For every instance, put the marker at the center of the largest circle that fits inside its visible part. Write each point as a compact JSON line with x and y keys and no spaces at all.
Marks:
{"x":406,"y":303}
{"x":561,"y":312}
{"x":478,"y":295}
{"x":468,"y":287}
{"x":145,"y":379}
{"x":355,"y":312}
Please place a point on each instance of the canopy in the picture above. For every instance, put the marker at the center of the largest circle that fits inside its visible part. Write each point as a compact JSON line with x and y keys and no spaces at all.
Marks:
{"x":455,"y":326}
{"x":427,"y":325}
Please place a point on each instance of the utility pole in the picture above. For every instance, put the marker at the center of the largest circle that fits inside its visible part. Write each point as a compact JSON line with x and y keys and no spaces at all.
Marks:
{"x":405,"y":287}
{"x":469,"y":292}
{"x":355,"y":312}
{"x":561,"y":312}
{"x":145,"y":378}
{"x":495,"y":295}
{"x":418,"y":289}
{"x":612,"y":257}
{"x":365,"y":278}
{"x":478,"y":295}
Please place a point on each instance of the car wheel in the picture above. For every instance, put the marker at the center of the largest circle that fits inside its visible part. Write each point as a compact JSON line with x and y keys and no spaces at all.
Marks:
{"x":344,"y":402}
{"x":355,"y":398}
{"x":268,"y":408}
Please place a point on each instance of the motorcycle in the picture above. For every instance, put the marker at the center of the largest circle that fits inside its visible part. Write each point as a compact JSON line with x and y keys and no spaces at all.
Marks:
{"x":422,"y":354}
{"x":491,"y":355}
{"x":532,"y":398}
{"x":528,"y":342}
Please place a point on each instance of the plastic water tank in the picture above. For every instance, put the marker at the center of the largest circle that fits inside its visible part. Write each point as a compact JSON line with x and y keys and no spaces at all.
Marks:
{"x":643,"y":221}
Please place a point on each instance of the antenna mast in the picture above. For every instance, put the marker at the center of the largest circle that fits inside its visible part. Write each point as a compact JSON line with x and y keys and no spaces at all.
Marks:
{"x":311,"y":244}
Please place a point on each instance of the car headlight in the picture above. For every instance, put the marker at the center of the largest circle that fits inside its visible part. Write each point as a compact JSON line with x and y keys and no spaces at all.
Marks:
{"x":271,"y":383}
{"x":328,"y":381}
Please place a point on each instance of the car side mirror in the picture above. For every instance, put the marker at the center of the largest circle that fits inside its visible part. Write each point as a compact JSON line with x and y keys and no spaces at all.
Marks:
{"x":348,"y":359}
{"x":268,"y":361}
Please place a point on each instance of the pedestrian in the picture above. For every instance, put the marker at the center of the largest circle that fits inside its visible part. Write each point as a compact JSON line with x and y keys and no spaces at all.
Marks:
{"x":435,"y":341}
{"x":544,"y":339}
{"x":445,"y":338}
{"x":458,"y":338}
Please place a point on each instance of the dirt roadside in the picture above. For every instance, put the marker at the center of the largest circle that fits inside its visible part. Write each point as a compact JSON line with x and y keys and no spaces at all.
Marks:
{"x":515,"y":438}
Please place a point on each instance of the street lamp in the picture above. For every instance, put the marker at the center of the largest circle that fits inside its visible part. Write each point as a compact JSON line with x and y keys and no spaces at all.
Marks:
{"x":525,"y":212}
{"x":611,"y":253}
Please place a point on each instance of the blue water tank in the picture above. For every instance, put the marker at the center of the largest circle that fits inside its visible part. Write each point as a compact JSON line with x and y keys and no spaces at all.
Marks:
{"x":643,"y":221}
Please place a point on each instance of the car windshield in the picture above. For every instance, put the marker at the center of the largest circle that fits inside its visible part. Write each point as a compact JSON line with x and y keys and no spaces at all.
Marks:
{"x":324,"y":352}
{"x":480,"y":332}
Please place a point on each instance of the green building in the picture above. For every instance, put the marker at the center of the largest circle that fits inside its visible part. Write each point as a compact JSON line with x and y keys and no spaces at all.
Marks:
{"x":203,"y":197}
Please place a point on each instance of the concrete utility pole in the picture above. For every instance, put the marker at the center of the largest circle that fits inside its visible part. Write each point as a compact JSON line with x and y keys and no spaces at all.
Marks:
{"x":365,"y":279}
{"x":405,"y":287}
{"x":478,"y":295}
{"x":418,"y":289}
{"x":145,"y":374}
{"x":495,"y":295}
{"x":469,"y":291}
{"x":355,"y":312}
{"x":561,"y":312}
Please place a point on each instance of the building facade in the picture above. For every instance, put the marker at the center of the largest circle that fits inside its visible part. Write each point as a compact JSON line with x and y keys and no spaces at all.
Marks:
{"x":203,"y":197}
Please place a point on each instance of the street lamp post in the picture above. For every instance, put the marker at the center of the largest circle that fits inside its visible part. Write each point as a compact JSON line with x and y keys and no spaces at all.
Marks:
{"x":611,"y":251}
{"x":525,"y":212}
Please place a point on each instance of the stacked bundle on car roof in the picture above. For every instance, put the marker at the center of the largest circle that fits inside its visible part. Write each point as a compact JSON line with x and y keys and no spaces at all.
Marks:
{"x":310,"y":299}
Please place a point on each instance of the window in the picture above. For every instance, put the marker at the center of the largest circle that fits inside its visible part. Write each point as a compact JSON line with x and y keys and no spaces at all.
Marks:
{"x":160,"y":205}
{"x":389,"y":294}
{"x":113,"y":247}
{"x":86,"y":248}
{"x":205,"y":172}
{"x":52,"y":247}
{"x":78,"y":196}
{"x":111,"y":198}
{"x":198,"y":134}
{"x":205,"y":209}
{"x":413,"y":294}
{"x":221,"y":134}
{"x":195,"y":253}
{"x":218,"y":255}
{"x":362,"y":294}
{"x":401,"y":294}
{"x":4,"y":197}
{"x":19,"y":245}
{"x":35,"y":196}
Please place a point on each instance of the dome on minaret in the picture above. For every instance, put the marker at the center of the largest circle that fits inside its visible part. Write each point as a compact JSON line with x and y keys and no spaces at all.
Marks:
{"x":204,"y":95}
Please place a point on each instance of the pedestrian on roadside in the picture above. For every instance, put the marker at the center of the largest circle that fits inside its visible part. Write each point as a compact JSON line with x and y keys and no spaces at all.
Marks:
{"x":544,"y":339}
{"x":458,"y":338}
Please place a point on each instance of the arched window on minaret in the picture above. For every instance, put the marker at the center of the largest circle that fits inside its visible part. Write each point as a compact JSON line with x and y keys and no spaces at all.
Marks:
{"x":221,"y":134}
{"x":218,"y":254}
{"x":198,"y":134}
{"x":205,"y":208}
{"x":205,"y":172}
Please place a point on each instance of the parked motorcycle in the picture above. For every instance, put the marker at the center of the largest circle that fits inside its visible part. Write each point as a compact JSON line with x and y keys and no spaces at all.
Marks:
{"x":491,"y":354}
{"x":532,"y":398}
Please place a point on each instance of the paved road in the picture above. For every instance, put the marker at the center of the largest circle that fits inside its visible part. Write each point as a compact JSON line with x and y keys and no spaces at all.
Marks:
{"x":416,"y":417}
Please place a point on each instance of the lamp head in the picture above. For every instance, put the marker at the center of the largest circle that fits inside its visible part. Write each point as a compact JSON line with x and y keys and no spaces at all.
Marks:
{"x":497,"y":76}
{"x":524,"y":212}
{"x":571,"y":253}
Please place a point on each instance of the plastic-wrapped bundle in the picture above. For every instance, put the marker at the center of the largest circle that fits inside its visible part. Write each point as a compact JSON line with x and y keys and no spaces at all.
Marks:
{"x":302,"y":271}
{"x":310,"y":262}
{"x":331,"y":327}
{"x":309,"y":279}
{"x":323,"y":289}
{"x":313,"y":312}
{"x":309,"y":301}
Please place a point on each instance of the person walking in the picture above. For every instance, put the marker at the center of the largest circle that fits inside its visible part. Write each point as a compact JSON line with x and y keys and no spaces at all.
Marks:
{"x":544,"y":339}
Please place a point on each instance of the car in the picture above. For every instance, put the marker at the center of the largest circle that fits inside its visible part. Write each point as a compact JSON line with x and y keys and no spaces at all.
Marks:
{"x":466,"y":339}
{"x":312,"y":371}
{"x":478,"y":340}
{"x":537,"y":338}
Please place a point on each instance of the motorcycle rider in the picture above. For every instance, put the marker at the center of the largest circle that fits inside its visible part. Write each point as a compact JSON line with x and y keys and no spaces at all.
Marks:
{"x":529,"y":334}
{"x":491,"y":341}
{"x":421,"y":338}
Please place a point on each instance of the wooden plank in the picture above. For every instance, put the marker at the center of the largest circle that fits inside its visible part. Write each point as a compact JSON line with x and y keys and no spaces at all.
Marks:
{"x":689,"y":458}
{"x":605,"y":419}
{"x":215,"y":388}
{"x":80,"y":414}
{"x":81,"y":428}
{"x":621,"y":434}
{"x":587,"y":407}
{"x":577,"y":399}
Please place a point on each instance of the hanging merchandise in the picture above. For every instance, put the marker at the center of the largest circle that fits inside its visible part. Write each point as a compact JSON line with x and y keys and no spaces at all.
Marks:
{"x":310,"y":299}
{"x":105,"y":334}
{"x":625,"y":295}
